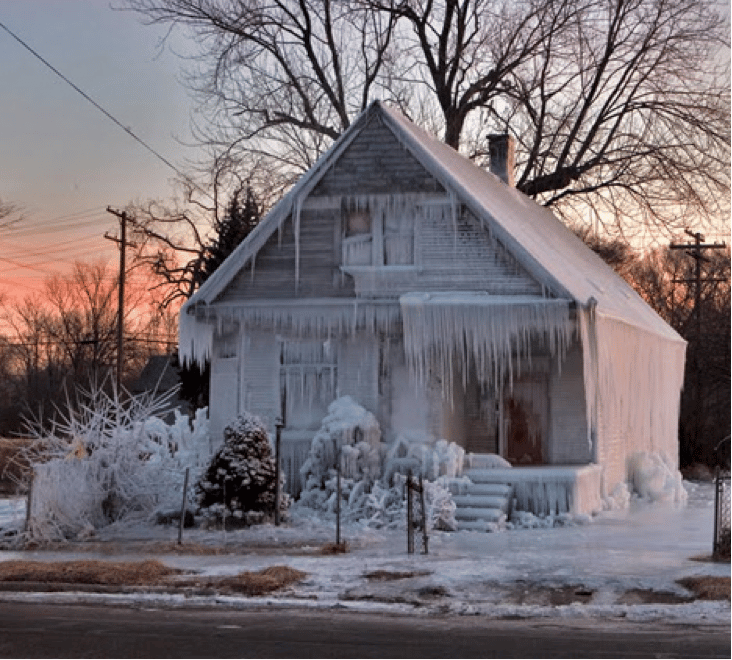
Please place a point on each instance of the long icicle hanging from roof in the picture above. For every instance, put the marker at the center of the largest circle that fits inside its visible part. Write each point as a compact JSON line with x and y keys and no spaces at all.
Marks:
{"x":449,"y":333}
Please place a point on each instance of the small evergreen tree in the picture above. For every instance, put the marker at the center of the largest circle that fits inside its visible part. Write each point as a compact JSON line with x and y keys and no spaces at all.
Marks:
{"x":238,"y":221}
{"x":241,"y":475}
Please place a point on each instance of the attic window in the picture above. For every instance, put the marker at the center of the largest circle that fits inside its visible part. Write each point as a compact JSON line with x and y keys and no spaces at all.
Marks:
{"x":382,"y":236}
{"x":358,"y":239}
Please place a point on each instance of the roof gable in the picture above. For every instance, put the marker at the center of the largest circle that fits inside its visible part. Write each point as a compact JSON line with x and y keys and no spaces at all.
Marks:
{"x":536,"y":238}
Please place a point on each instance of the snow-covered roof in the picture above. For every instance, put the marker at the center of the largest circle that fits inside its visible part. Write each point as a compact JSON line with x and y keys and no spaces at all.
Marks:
{"x":529,"y":231}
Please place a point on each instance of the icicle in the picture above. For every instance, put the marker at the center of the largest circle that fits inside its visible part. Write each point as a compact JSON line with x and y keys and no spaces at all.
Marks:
{"x":195,"y":338}
{"x":488,"y":332}
{"x":298,"y":210}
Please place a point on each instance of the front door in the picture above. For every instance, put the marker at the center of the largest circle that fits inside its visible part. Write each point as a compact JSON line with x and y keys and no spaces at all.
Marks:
{"x":526,"y":417}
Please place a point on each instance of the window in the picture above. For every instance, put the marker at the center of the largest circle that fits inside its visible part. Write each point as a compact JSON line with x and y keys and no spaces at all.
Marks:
{"x":379,"y":237}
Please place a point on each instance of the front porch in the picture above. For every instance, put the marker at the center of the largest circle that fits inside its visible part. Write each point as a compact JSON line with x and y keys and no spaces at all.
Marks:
{"x":487,"y":495}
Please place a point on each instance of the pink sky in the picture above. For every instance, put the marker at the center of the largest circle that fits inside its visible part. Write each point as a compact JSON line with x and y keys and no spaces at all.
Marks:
{"x":61,"y":160}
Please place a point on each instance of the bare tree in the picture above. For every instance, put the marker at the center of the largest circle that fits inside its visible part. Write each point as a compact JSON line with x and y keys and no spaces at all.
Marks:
{"x":182,"y":244}
{"x":627,"y":112}
{"x":281,"y":78}
{"x":618,"y":106}
{"x":65,"y":335}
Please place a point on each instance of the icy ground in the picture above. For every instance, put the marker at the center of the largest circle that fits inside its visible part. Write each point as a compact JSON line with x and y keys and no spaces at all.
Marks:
{"x":622,"y":564}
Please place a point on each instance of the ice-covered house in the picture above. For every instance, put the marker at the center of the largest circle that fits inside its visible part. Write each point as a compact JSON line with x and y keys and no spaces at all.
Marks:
{"x":442,"y":299}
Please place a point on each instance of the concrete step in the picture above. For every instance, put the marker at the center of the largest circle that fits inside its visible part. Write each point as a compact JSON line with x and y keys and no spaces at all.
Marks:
{"x":481,"y":501}
{"x":485,"y":476}
{"x":479,"y":513}
{"x":480,"y":525}
{"x":460,"y":487}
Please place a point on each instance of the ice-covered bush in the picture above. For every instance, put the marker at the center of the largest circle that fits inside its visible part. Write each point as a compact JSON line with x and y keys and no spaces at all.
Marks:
{"x":372,"y":473}
{"x":652,"y":477}
{"x":109,"y":459}
{"x":423,"y":454}
{"x":240,"y":481}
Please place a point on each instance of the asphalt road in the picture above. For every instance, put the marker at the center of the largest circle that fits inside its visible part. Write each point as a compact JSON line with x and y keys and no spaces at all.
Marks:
{"x":49,"y":631}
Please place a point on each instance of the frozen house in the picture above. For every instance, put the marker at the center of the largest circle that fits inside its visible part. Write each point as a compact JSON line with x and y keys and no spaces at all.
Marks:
{"x":443,"y":300}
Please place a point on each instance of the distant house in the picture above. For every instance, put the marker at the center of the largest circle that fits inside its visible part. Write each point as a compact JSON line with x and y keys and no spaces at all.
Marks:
{"x":158,"y":377}
{"x":441,"y":299}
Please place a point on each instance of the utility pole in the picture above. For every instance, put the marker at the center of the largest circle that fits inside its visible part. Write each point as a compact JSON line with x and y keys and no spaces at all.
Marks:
{"x":696,"y":251}
{"x":122,"y":243}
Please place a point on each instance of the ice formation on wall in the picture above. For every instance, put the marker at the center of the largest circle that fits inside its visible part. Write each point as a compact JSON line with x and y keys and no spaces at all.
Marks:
{"x":308,"y":377}
{"x":654,"y":477}
{"x":633,"y":380}
{"x":496,"y":334}
{"x":314,"y":317}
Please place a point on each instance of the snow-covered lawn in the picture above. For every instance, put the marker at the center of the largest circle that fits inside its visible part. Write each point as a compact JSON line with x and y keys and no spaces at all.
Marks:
{"x":622,"y":564}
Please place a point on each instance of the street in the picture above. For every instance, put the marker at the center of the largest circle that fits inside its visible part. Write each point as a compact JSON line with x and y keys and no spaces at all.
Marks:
{"x":49,"y":631}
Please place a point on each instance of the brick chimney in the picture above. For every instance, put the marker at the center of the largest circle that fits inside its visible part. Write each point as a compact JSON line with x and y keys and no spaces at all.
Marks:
{"x":502,"y":157}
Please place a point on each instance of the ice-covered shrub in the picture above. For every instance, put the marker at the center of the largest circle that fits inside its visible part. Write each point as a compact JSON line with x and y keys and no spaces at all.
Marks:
{"x":423,"y":454}
{"x":109,"y":459}
{"x":240,"y":480}
{"x":652,"y":477}
{"x":352,"y":431}
{"x":372,"y":473}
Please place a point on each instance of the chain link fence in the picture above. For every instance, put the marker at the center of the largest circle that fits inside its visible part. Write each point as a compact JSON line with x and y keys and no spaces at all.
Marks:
{"x":722,"y":514}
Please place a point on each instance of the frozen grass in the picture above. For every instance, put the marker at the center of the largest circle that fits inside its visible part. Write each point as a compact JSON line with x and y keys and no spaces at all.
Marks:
{"x":381,"y":575}
{"x":707,"y":587}
{"x":334,"y":548}
{"x":147,"y":572}
{"x":261,"y":582}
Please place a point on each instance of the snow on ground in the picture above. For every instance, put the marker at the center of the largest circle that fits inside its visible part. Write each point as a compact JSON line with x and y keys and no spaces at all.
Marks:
{"x":581,"y":571}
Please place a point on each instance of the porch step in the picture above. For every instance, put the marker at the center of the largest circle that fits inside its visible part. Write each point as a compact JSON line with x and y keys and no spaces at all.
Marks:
{"x":485,"y":475}
{"x":483,"y":501}
{"x":479,"y":525}
{"x":489,"y":514}
{"x":478,"y":489}
{"x":474,"y":501}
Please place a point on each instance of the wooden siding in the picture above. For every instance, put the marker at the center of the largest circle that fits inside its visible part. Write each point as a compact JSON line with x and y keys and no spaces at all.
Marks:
{"x":358,"y":370}
{"x":274,"y":266}
{"x":260,"y":379}
{"x":225,"y":382}
{"x":376,"y":163}
{"x":463,"y":256}
{"x":569,"y":442}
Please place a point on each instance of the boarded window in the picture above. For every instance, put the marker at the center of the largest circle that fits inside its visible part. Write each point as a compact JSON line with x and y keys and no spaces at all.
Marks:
{"x":381,"y":236}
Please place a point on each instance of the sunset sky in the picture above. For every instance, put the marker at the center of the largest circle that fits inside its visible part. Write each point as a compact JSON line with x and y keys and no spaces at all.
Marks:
{"x":62,"y":161}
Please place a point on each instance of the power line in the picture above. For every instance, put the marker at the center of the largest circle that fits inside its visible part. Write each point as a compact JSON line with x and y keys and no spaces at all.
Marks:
{"x":103,"y":111}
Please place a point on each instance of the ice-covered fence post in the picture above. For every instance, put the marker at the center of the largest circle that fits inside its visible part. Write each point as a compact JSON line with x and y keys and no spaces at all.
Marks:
{"x":425,"y":550}
{"x":183,"y":506}
{"x":223,"y":513}
{"x":338,"y":497}
{"x":721,"y":544}
{"x":410,"y":524}
{"x":278,"y":438}
{"x":29,"y":503}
